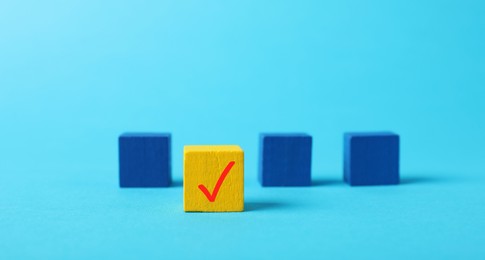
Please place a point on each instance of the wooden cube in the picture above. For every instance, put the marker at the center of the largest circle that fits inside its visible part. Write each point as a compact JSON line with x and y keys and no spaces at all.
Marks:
{"x":371,"y":158}
{"x":144,"y":160}
{"x":285,"y":160}
{"x":213,"y":178}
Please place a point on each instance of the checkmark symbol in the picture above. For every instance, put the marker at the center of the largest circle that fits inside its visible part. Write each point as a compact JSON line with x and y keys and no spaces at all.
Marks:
{"x":212,"y":197}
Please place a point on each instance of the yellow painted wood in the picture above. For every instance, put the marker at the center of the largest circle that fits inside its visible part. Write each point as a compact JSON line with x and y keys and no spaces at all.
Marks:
{"x":203,"y":165}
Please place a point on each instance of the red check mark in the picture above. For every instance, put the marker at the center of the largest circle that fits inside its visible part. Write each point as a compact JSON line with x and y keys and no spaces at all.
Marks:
{"x":212,"y":197}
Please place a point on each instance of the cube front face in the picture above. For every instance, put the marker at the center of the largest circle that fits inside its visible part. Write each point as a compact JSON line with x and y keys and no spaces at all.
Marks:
{"x":371,"y":159}
{"x":213,"y":178}
{"x":145,"y":160}
{"x":285,"y":160}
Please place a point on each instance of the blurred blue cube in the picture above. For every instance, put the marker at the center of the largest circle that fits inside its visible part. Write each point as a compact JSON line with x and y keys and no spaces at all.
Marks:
{"x":371,"y":158}
{"x":285,"y":160}
{"x":145,"y":160}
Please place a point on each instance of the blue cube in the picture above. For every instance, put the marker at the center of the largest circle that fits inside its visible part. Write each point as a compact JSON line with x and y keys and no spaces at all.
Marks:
{"x":285,"y":160}
{"x":371,"y":158}
{"x":145,"y":160}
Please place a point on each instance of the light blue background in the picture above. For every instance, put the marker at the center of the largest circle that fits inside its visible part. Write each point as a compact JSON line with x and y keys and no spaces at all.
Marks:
{"x":75,"y":74}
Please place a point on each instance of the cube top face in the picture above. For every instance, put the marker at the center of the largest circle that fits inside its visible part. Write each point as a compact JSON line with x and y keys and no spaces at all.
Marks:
{"x":285,"y":160}
{"x":369,"y":134}
{"x":283,"y":135}
{"x":371,"y":159}
{"x":145,"y":135}
{"x":213,"y":178}
{"x":145,"y":160}
{"x":285,"y":139}
{"x":212,"y":148}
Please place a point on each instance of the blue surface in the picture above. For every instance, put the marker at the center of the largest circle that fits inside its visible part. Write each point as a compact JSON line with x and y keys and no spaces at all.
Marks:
{"x":145,"y":160}
{"x":371,"y":158}
{"x":76,"y":74}
{"x":285,"y":160}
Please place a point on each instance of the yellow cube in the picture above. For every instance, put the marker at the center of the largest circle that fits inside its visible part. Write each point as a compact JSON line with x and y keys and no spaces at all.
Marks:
{"x":213,"y":178}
